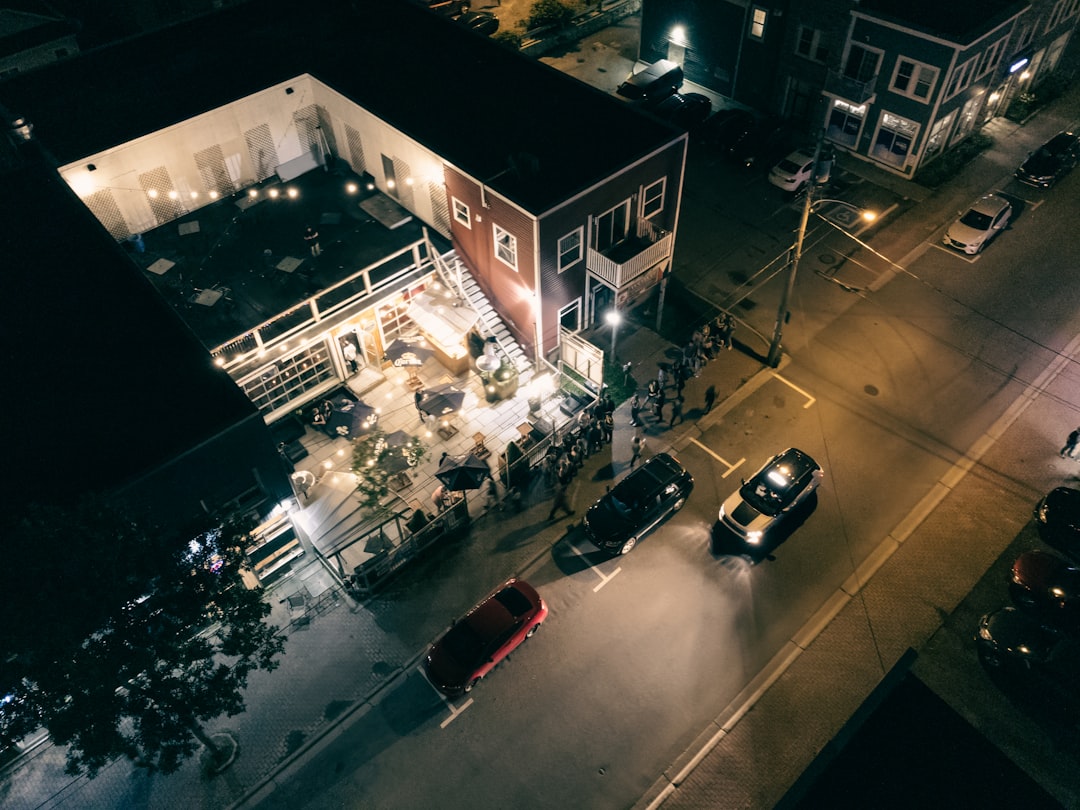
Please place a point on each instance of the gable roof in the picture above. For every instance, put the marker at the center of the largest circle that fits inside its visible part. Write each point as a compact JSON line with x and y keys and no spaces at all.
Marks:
{"x":527,"y":130}
{"x":959,"y":21}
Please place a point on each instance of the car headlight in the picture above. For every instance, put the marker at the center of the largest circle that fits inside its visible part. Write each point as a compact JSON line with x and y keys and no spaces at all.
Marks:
{"x":1042,"y":512}
{"x":754,"y":537}
{"x":984,"y":633}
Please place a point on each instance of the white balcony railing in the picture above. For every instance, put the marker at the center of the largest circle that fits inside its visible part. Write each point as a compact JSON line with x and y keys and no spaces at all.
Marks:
{"x":612,"y":267}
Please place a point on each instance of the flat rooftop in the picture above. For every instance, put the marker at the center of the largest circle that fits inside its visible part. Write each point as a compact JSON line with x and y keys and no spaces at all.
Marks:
{"x":530,"y":132}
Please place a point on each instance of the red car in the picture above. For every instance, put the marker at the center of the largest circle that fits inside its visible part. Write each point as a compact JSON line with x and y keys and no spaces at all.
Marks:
{"x":485,"y":636}
{"x":1047,"y":586}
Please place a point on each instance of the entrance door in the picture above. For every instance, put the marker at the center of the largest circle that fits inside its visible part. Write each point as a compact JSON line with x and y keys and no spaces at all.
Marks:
{"x":390,"y":175}
{"x":612,"y":227}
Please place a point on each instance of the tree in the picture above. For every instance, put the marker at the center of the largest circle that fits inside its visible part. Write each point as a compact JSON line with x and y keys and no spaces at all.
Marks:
{"x":369,"y":464}
{"x":170,"y":652}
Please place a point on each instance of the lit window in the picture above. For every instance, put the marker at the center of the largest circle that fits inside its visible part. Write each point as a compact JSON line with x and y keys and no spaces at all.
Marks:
{"x":505,"y":247}
{"x":758,"y":16}
{"x":570,"y":249}
{"x":652,"y":200}
{"x":461,"y":213}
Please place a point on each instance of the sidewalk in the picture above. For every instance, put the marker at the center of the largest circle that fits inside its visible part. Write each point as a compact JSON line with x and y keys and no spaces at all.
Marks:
{"x":340,"y":658}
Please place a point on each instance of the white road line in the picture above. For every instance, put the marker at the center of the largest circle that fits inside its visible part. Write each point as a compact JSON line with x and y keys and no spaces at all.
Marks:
{"x":730,"y":467}
{"x":809,"y":399}
{"x":604,"y":578}
{"x":454,"y":710}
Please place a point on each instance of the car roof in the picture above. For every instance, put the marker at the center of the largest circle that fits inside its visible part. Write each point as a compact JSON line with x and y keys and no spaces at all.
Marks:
{"x":800,"y":462}
{"x":990,"y":204}
{"x":649,"y":478}
{"x":1060,"y":142}
{"x":502,"y":609}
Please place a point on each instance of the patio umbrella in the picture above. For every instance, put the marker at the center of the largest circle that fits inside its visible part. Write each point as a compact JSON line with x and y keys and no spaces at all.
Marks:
{"x":442,"y":401}
{"x":408,"y":352}
{"x":395,"y":461}
{"x":458,"y":474}
{"x":351,"y":418}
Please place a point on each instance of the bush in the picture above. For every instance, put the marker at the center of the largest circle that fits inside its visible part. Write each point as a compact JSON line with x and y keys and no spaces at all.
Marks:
{"x":949,"y":164}
{"x":511,"y":39}
{"x":548,"y":12}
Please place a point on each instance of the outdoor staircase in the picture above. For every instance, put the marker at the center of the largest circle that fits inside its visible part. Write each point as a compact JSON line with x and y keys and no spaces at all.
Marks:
{"x":451,"y":270}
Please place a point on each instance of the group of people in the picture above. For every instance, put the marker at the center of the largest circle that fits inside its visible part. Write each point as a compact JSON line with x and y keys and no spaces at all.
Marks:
{"x":593,"y":429}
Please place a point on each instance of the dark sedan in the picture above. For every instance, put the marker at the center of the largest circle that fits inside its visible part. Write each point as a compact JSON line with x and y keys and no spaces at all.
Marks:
{"x":1051,"y":161}
{"x":1048,"y":588}
{"x":725,"y":127}
{"x":637,"y":504}
{"x":485,"y":636}
{"x":1057,"y":517}
{"x":482,"y":22}
{"x":684,"y":110}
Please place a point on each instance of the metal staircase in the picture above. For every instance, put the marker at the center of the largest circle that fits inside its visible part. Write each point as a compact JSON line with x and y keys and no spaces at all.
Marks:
{"x":455,"y":275}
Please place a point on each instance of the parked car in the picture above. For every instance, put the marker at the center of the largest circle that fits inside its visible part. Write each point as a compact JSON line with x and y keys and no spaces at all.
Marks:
{"x":487,"y":634}
{"x":684,"y":110}
{"x":483,"y":22}
{"x":638,"y":504}
{"x":652,"y":84}
{"x":762,"y":144}
{"x":793,"y":172}
{"x":988,"y":216}
{"x":1048,"y":587}
{"x":1009,"y":639}
{"x":725,"y":127}
{"x":783,"y":482}
{"x":1057,"y":517}
{"x":1051,"y":161}
{"x":451,"y":8}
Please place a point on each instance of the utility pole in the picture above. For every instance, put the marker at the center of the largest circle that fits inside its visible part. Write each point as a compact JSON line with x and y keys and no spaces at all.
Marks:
{"x":782,"y":315}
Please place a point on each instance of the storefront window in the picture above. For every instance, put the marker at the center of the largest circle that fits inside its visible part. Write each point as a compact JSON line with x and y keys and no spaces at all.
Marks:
{"x":845,"y":121}
{"x":288,"y":378}
{"x":894,"y":139}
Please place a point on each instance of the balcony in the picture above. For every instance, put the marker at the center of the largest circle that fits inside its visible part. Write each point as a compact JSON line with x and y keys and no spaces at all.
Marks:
{"x":849,"y":89}
{"x":622,"y":263}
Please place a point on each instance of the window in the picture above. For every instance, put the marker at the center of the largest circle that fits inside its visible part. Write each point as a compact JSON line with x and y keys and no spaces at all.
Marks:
{"x":913,"y":79}
{"x":961,"y":77}
{"x":893,"y":140}
{"x":967,"y":119}
{"x":505,"y":247}
{"x":809,"y":44}
{"x":862,"y":63}
{"x":992,"y":56}
{"x":570,"y":249}
{"x":461,"y":213}
{"x":758,"y":18}
{"x":938,"y":133}
{"x":570,"y":316}
{"x":845,"y":121}
{"x":652,"y":200}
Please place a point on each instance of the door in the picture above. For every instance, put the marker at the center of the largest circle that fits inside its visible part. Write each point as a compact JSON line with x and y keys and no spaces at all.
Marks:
{"x":612,"y":226}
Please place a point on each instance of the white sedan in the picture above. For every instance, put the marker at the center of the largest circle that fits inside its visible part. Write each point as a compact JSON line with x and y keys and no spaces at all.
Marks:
{"x":988,"y":216}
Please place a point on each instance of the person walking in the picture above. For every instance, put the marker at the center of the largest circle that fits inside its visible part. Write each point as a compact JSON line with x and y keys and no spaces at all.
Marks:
{"x":676,"y":411}
{"x":725,"y":329}
{"x":635,"y":410}
{"x":658,"y":405}
{"x":637,"y":444}
{"x":661,"y":377}
{"x":560,"y":502}
{"x":311,"y":239}
{"x":608,"y":427}
{"x":418,"y":397}
{"x":710,"y":397}
{"x":1071,"y":442}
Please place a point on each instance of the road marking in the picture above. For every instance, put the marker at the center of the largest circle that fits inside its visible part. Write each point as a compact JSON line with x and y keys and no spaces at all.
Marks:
{"x":604,"y":578}
{"x":730,"y":467}
{"x":454,"y":710}
{"x":809,"y":399}
{"x":958,"y":254}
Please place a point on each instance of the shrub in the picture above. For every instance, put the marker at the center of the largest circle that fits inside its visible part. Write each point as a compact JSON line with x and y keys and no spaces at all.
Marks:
{"x":548,"y":12}
{"x":949,"y":164}
{"x":511,"y":39}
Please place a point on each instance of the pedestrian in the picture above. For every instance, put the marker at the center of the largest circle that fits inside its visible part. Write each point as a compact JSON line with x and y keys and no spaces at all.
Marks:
{"x":635,"y":410}
{"x":726,"y":328}
{"x":637,"y":444}
{"x":438,"y":498}
{"x":560,"y":502}
{"x":695,"y":364}
{"x":311,"y":239}
{"x":349,"y":353}
{"x":676,"y":411}
{"x":418,"y":397}
{"x":658,"y":405}
{"x":680,"y":383}
{"x":596,"y":438}
{"x":1070,"y":444}
{"x":442,"y":458}
{"x":661,"y":377}
{"x":710,"y":397}
{"x":608,"y":427}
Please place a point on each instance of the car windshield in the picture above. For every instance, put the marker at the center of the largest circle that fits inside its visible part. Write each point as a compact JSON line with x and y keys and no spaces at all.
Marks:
{"x":787,"y":167}
{"x":769,"y":491}
{"x":976,"y":219}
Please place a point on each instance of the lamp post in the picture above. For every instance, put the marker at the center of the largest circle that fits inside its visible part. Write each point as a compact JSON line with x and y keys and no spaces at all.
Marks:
{"x":782,"y":314}
{"x":614,"y":318}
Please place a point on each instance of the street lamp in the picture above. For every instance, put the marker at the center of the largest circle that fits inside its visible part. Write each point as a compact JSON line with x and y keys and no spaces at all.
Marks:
{"x":614,"y":318}
{"x":782,"y":314}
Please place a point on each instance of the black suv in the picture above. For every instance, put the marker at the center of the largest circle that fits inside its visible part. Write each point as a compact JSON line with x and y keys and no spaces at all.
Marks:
{"x":638,"y":503}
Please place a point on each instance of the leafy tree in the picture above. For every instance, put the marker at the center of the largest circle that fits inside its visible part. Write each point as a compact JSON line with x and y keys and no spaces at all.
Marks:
{"x":369,"y":464}
{"x":548,"y":12}
{"x":147,"y":665}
